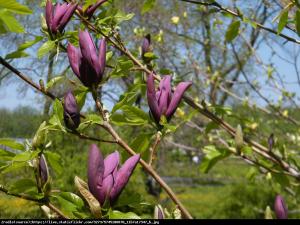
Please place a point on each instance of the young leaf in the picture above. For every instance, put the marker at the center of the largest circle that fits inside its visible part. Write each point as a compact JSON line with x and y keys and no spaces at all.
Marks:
{"x":212,"y":156}
{"x":282,"y":21}
{"x":239,"y":138}
{"x":232,"y":31}
{"x":15,"y":7}
{"x":10,"y":22}
{"x":45,"y":48}
{"x":12,"y":144}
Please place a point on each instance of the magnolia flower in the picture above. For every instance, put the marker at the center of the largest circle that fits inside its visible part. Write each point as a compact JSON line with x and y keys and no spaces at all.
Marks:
{"x":162,"y":102}
{"x":146,"y":45}
{"x":43,"y":169}
{"x":85,"y":62}
{"x":89,"y":11}
{"x":71,"y":111}
{"x":58,"y":16}
{"x":280,"y":208}
{"x":105,"y":180}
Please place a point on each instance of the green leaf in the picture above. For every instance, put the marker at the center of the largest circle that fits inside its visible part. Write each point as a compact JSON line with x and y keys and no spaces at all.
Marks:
{"x":148,"y":5}
{"x":128,"y":98}
{"x":10,"y":22}
{"x":19,"y":53}
{"x":141,"y":142}
{"x":25,"y":156}
{"x":283,"y":20}
{"x":69,"y":203}
{"x":54,"y":81}
{"x":12,"y":144}
{"x":23,"y":186}
{"x":13,"y":167}
{"x":14,"y":7}
{"x":16,"y":54}
{"x":132,"y":116}
{"x":54,"y":160}
{"x":232,"y":31}
{"x":212,"y":156}
{"x":115,"y":214}
{"x":80,"y":96}
{"x":6,"y":155}
{"x":28,"y":44}
{"x":45,"y":48}
{"x":297,"y":21}
{"x":90,"y":119}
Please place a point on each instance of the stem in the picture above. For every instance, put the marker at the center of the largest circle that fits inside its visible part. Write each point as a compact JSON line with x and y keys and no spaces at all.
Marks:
{"x":154,"y":147}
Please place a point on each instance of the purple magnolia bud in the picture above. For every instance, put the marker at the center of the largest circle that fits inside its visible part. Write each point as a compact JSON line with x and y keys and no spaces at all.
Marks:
{"x":87,"y":65}
{"x":71,"y":111}
{"x":58,"y":16}
{"x":280,"y":208}
{"x":158,"y":213}
{"x":43,"y":169}
{"x":146,"y":45}
{"x":92,"y":8}
{"x":105,"y":181}
{"x":163,"y":102}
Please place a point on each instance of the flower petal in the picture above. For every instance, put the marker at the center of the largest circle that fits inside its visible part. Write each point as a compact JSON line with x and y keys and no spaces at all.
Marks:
{"x":105,"y":188}
{"x":90,"y":10}
{"x":110,"y":163}
{"x":95,"y":170}
{"x":177,"y":96}
{"x":66,"y":17}
{"x":151,"y":97}
{"x":165,"y":94}
{"x":49,"y":13}
{"x":123,"y":176}
{"x":58,"y":13}
{"x":74,"y":56}
{"x":102,"y":56}
{"x":88,"y":50}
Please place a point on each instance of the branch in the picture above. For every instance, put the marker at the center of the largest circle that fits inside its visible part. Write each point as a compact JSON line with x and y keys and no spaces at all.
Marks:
{"x":241,"y":17}
{"x":39,"y":201}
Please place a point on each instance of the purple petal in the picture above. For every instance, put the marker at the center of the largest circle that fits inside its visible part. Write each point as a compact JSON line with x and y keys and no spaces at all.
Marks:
{"x":59,"y":11}
{"x":123,"y":176}
{"x":111,"y":162}
{"x":105,"y":188}
{"x":178,"y":93}
{"x":66,"y":17}
{"x":102,"y":56}
{"x":280,"y":208}
{"x":151,"y":97}
{"x":49,"y":13}
{"x":74,"y":56}
{"x":88,"y":50}
{"x":90,"y":10}
{"x":95,"y":170}
{"x":165,"y":94}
